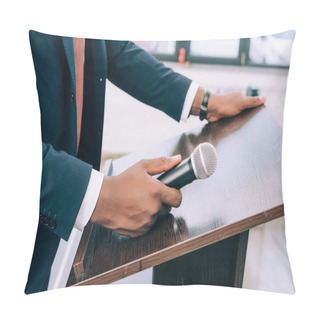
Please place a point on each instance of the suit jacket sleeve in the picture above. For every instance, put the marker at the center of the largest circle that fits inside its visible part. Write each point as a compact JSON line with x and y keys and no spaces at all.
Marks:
{"x":63,"y":185}
{"x":145,"y":78}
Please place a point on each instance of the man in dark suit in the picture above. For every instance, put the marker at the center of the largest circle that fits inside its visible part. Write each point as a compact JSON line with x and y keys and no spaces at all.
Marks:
{"x":71,"y":87}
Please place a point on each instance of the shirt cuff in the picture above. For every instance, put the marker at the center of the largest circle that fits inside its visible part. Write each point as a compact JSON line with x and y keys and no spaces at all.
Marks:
{"x":189,"y":100}
{"x":90,"y":199}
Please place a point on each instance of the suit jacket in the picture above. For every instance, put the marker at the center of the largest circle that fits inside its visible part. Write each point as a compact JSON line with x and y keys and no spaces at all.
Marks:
{"x":65,"y":174}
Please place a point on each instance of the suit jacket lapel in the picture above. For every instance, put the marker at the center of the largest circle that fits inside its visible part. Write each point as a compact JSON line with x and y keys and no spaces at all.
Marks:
{"x":69,"y":52}
{"x":68,"y":48}
{"x":95,"y":71}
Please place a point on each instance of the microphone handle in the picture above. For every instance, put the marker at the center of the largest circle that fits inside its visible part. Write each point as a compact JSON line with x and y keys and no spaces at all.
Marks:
{"x":179,"y":176}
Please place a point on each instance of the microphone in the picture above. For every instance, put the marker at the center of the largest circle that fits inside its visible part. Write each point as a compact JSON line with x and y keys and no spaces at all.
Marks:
{"x":200,"y":165}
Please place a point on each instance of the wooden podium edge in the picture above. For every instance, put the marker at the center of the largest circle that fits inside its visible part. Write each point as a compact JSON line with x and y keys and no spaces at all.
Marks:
{"x":78,"y":264}
{"x":180,"y":248}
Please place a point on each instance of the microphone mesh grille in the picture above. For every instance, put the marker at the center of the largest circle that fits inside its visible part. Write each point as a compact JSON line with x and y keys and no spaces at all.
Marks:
{"x":204,"y":159}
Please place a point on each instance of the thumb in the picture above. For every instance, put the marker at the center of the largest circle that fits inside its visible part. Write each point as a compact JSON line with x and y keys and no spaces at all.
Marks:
{"x":159,"y":165}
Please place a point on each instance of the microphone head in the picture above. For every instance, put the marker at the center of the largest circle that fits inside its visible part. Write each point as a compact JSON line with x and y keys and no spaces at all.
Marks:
{"x":204,"y":160}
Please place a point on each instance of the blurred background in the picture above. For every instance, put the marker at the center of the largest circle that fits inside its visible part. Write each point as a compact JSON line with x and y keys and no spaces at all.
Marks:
{"x":219,"y":66}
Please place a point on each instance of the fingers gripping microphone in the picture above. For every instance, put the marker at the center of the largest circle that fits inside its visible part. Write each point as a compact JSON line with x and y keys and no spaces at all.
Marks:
{"x":200,"y":165}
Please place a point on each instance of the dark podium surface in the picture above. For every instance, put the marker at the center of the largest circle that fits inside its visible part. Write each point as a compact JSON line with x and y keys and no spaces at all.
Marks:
{"x":204,"y":240}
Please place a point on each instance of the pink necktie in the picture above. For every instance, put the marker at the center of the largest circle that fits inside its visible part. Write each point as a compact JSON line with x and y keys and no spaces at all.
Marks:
{"x":78,"y":45}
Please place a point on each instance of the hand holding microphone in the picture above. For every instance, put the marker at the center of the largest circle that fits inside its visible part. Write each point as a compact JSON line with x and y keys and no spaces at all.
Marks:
{"x":201,"y":164}
{"x":130,"y":203}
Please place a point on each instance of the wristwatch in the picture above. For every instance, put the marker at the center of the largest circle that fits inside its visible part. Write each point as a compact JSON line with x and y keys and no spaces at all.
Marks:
{"x":204,"y":106}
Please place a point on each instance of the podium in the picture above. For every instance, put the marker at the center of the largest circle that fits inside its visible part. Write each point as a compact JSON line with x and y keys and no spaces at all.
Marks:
{"x":204,"y":241}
